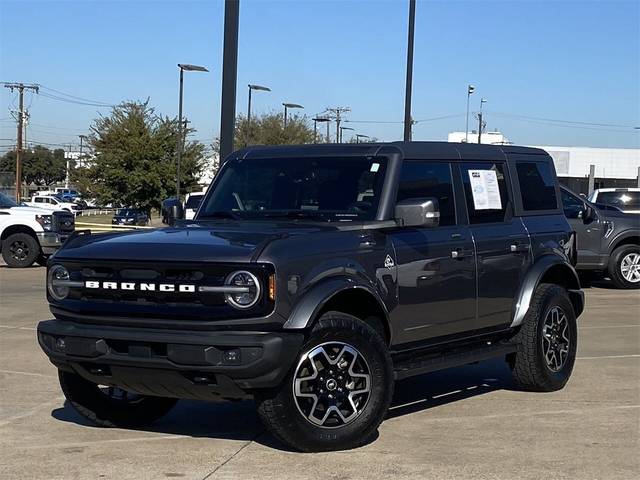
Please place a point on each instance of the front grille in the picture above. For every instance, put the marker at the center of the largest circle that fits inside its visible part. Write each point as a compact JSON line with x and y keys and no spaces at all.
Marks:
{"x":134,"y":301}
{"x":63,"y":222}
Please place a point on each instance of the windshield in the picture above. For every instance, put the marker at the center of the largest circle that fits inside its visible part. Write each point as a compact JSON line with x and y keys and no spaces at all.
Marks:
{"x":126,"y":212}
{"x":7,"y":202}
{"x":330,"y":189}
{"x":194,"y":201}
{"x":621,"y":199}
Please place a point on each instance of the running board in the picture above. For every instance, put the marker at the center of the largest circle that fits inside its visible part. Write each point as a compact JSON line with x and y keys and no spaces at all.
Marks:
{"x":418,"y":364}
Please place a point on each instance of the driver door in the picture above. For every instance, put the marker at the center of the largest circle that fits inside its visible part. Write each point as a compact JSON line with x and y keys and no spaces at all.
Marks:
{"x":589,"y":230}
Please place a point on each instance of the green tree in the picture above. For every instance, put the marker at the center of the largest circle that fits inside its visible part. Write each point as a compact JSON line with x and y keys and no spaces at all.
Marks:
{"x":134,"y":162}
{"x":40,"y":166}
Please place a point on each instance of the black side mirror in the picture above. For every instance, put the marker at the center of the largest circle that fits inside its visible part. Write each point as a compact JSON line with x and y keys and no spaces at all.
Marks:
{"x":176,"y":212}
{"x":587,"y":214}
{"x":418,"y":212}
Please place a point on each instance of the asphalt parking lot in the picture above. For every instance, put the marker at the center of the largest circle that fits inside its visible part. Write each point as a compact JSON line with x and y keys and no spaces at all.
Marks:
{"x":466,"y":422}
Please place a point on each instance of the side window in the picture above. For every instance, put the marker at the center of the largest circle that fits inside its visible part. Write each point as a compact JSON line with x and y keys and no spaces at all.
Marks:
{"x":537,"y":186}
{"x":571,"y":204}
{"x":39,"y":200}
{"x":429,"y":179}
{"x":485,"y":190}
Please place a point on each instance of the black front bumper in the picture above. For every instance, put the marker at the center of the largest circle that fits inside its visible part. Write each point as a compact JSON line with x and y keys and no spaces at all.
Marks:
{"x":169,"y":363}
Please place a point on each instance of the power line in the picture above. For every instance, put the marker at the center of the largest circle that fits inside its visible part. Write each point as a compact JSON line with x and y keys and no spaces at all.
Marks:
{"x":81,"y":99}
{"x":577,"y":122}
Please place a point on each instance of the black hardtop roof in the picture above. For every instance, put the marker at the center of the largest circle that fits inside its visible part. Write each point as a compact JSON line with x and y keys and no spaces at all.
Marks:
{"x":409,"y":150}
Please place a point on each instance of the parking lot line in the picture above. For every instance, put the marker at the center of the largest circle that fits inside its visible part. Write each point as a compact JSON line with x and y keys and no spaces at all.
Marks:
{"x":608,"y":356}
{"x":607,"y":326}
{"x":30,"y":374}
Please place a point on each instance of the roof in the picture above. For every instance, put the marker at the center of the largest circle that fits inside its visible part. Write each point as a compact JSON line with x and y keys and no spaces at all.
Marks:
{"x":413,"y":150}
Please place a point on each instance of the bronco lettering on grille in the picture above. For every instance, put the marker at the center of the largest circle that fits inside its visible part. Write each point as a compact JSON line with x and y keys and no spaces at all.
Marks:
{"x":143,"y":287}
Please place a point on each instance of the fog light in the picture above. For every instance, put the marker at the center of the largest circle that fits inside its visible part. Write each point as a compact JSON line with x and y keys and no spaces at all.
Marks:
{"x":61,"y":344}
{"x":231,"y":356}
{"x":57,"y":279}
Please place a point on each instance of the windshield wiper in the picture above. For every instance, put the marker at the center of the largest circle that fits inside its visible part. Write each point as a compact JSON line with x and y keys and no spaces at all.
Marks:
{"x":296,"y":214}
{"x":220,"y":214}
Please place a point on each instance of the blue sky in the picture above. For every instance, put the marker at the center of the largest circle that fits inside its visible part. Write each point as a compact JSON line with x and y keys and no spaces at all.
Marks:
{"x":566,"y":60}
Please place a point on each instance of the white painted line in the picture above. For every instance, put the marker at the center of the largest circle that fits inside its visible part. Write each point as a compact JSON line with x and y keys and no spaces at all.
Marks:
{"x":608,"y":326}
{"x":30,"y":412}
{"x":16,"y":327}
{"x":113,"y":440}
{"x":607,"y":356}
{"x":30,"y":374}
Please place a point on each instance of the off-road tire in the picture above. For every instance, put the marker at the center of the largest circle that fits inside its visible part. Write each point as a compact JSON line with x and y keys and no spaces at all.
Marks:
{"x":29,"y":250}
{"x":528,"y":365}
{"x":615,"y":264}
{"x":105,"y":411}
{"x":280,"y":414}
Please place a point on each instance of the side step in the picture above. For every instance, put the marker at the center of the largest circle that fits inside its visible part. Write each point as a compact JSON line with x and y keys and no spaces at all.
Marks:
{"x":405,"y":365}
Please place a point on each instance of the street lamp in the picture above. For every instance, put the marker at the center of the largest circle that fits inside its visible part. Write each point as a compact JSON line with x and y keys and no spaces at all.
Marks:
{"x":286,"y":107}
{"x":470,"y":90}
{"x":189,"y":68}
{"x":315,"y":127}
{"x":359,"y":136}
{"x":343,"y":129}
{"x":259,"y":88}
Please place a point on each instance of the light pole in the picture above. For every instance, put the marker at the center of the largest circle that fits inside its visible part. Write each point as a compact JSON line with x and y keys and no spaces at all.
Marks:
{"x":482,"y":101}
{"x":409,"y":83}
{"x":288,"y":106}
{"x":470,"y":90}
{"x":259,"y":88}
{"x":359,"y":136}
{"x":342,"y":129}
{"x":317,"y":120}
{"x":189,"y":68}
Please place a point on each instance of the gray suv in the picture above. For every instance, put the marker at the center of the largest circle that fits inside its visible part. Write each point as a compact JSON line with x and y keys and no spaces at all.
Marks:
{"x":312,"y":278}
{"x":608,"y":239}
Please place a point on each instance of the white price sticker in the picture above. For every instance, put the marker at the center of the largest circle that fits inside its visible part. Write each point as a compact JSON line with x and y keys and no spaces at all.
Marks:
{"x":486,"y":193}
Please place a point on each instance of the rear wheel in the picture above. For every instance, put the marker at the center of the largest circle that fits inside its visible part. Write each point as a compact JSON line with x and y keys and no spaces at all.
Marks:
{"x":20,"y":250}
{"x":547,"y":342}
{"x":338,"y":393}
{"x":624,"y":266}
{"x":111,"y":406}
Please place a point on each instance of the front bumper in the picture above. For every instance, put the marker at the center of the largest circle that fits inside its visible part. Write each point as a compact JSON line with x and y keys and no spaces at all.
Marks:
{"x":50,"y":241}
{"x":170,"y":363}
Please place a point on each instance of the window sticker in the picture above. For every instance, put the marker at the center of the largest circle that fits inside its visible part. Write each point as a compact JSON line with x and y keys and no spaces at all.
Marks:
{"x":484,"y":186}
{"x":374,"y":167}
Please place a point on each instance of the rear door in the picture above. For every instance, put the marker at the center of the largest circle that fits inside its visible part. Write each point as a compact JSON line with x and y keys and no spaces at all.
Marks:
{"x":436,"y":265}
{"x":503,"y":250}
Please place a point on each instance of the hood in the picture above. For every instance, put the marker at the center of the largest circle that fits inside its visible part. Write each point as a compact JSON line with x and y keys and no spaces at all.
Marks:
{"x":233,"y":243}
{"x":611,"y":214}
{"x":30,"y":211}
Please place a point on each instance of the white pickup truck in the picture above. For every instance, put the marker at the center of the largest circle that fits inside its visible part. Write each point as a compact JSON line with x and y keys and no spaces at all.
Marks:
{"x":52,"y":202}
{"x":31,"y":234}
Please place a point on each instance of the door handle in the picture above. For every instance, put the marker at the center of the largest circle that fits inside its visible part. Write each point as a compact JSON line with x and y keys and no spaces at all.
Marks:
{"x":460,"y":253}
{"x":518,"y":247}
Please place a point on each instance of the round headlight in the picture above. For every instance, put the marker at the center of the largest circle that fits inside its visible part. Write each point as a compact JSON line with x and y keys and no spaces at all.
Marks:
{"x":248,"y":287}
{"x":57,"y":277}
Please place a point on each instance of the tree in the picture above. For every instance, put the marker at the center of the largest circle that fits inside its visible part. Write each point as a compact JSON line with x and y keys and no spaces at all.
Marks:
{"x":40,"y":166}
{"x":134,"y":163}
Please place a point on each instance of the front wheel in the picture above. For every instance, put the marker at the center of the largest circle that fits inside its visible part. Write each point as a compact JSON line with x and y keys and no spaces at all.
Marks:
{"x":338,"y":393}
{"x":547,"y":342}
{"x":111,"y":406}
{"x":624,"y":266}
{"x":20,"y":250}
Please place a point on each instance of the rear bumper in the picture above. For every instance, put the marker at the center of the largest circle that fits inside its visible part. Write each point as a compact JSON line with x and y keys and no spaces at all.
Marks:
{"x":198,"y":365}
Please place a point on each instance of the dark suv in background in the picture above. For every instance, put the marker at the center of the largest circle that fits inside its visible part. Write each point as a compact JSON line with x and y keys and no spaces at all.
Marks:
{"x":312,"y":278}
{"x":608,"y":239}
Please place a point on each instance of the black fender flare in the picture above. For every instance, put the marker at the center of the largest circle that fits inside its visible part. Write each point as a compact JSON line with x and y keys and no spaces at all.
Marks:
{"x":620,"y":237}
{"x":533,"y":278}
{"x":306,"y":310}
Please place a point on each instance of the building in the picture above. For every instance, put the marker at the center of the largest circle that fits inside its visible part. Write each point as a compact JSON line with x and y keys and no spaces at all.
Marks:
{"x":579,"y":168}
{"x":487,"y":138}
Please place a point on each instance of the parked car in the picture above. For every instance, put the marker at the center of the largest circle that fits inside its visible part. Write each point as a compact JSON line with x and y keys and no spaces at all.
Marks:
{"x":53,"y":202}
{"x":608,"y":239}
{"x":130,"y":216}
{"x":626,"y":199}
{"x":167,"y":205}
{"x":312,"y":278}
{"x":30,"y":234}
{"x":191,"y":204}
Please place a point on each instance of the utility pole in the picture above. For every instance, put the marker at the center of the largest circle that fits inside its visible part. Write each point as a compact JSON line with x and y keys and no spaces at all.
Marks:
{"x":81,"y":137}
{"x":337,"y":115}
{"x":21,"y":87}
{"x":407,"y":99}
{"x":480,"y":123}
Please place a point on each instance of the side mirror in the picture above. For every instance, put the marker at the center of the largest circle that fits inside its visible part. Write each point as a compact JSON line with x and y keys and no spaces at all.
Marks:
{"x":418,"y":212}
{"x":587,"y":214}
{"x":176,"y":212}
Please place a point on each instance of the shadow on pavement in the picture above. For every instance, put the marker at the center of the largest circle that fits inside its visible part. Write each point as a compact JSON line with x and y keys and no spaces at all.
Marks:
{"x":239,"y":420}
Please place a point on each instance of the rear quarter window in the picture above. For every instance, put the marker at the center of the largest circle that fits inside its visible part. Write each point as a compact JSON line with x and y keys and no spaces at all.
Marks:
{"x":537,"y":186}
